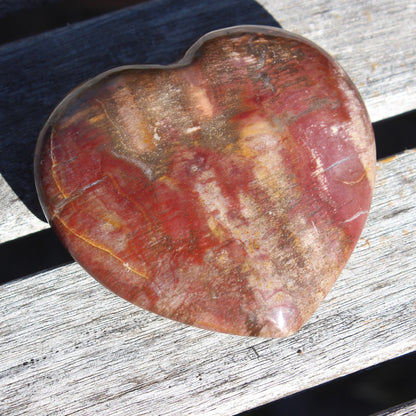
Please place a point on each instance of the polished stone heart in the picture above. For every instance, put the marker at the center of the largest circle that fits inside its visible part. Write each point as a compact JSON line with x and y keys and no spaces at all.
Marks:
{"x":226,"y":191}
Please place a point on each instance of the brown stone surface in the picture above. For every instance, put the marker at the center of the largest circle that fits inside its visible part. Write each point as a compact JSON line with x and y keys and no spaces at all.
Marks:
{"x":226,"y":191}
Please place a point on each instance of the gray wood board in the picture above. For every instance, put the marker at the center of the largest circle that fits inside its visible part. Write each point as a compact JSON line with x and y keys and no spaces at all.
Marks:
{"x":69,"y":346}
{"x":37,"y":72}
{"x":15,"y":218}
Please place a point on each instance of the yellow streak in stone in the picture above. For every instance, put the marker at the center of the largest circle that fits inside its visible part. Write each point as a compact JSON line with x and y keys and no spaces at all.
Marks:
{"x":54,"y":164}
{"x":81,"y":114}
{"x":364,"y":175}
{"x":215,"y":228}
{"x":138,"y":138}
{"x":256,"y":128}
{"x":209,"y":325}
{"x":118,"y":127}
{"x":96,"y":119}
{"x":102,"y":248}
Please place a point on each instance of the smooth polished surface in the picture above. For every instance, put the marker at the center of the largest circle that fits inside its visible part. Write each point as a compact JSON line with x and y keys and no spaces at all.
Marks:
{"x":227,"y":191}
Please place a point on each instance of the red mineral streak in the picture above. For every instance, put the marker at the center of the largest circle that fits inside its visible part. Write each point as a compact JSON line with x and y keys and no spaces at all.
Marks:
{"x":226,"y":191}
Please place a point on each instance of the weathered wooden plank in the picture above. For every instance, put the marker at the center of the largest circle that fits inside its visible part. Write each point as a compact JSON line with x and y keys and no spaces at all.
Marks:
{"x":373,"y":41}
{"x":16,"y":220}
{"x":71,"y":347}
{"x":405,"y":409}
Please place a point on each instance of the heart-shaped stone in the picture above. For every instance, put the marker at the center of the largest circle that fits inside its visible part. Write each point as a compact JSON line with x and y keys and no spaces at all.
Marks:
{"x":226,"y":191}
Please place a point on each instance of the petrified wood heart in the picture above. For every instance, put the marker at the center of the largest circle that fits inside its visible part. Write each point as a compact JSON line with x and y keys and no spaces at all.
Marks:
{"x":226,"y":191}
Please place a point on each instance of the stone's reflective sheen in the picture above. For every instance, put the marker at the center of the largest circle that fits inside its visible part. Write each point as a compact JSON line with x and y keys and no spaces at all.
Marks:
{"x":226,"y":191}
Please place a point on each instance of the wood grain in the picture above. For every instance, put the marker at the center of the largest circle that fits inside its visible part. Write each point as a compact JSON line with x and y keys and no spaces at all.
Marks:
{"x":16,"y":220}
{"x":406,"y":409}
{"x":71,"y":347}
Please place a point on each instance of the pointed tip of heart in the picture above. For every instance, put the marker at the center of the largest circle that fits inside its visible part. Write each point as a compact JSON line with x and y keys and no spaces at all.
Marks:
{"x":278,"y":322}
{"x":281,"y":321}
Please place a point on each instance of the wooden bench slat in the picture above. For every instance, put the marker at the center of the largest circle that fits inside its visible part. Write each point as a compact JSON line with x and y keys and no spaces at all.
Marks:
{"x":405,"y":409}
{"x":374,"y":42}
{"x":15,"y":218}
{"x":71,"y":347}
